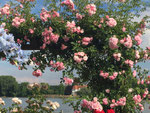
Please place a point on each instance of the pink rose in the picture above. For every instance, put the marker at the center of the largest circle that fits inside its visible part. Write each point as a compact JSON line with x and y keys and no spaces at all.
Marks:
{"x":137,"y":99}
{"x":68,"y":81}
{"x":113,"y":41}
{"x":91,"y":8}
{"x":105,"y":101}
{"x":111,"y":22}
{"x":37,"y":73}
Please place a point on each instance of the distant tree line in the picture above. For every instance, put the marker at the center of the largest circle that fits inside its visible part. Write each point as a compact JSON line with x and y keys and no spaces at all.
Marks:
{"x":9,"y":87}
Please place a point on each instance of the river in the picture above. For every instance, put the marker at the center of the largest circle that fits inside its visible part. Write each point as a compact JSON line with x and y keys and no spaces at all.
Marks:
{"x":64,"y":107}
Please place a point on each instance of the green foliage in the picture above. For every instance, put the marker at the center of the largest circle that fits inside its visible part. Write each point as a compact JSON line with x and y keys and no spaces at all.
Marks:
{"x":8,"y":86}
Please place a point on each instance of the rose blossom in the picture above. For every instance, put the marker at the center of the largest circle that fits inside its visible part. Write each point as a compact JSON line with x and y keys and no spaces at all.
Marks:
{"x":37,"y":73}
{"x":137,"y":99}
{"x":105,"y":101}
{"x":68,"y":81}
{"x":104,"y":75}
{"x":107,"y":90}
{"x":91,"y":8}
{"x":63,"y":47}
{"x":113,"y":41}
{"x":138,"y":39}
{"x":121,"y":101}
{"x":92,"y":105}
{"x":111,"y":22}
{"x":5,"y":10}
{"x":86,"y":40}
{"x":79,"y":16}
{"x":69,"y":3}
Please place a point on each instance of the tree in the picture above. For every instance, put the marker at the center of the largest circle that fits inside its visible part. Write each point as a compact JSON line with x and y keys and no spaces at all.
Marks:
{"x":22,"y":90}
{"x":8,"y":86}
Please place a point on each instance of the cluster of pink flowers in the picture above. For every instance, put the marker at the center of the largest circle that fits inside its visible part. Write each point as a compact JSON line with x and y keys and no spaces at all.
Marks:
{"x":137,"y":99}
{"x":137,"y":54}
{"x":71,"y":27}
{"x":92,"y":105}
{"x":86,"y":40}
{"x":68,"y":3}
{"x":146,"y":92}
{"x":138,"y":39}
{"x":44,"y":15}
{"x":68,"y":81}
{"x":37,"y":73}
{"x":120,"y":102}
{"x":49,"y":36}
{"x":113,"y":41}
{"x":111,"y":22}
{"x":17,"y":21}
{"x":106,"y":75}
{"x":129,"y":62}
{"x":80,"y":56}
{"x":112,"y":77}
{"x":91,"y":8}
{"x":127,"y":42}
{"x":79,"y":16}
{"x":58,"y":65}
{"x":5,"y":10}
{"x":141,"y":106}
{"x":117,"y":56}
{"x":146,"y":55}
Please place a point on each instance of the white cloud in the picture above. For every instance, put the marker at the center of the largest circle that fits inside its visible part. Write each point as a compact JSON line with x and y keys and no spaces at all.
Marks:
{"x":146,"y":39}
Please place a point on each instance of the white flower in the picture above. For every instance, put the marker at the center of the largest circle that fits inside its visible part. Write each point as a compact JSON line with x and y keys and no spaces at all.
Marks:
{"x":2,"y":102}
{"x":14,"y":110}
{"x":56,"y":104}
{"x":49,"y":102}
{"x":130,"y":90}
{"x":54,"y":107}
{"x":16,"y":100}
{"x":85,"y":58}
{"x":30,"y":86}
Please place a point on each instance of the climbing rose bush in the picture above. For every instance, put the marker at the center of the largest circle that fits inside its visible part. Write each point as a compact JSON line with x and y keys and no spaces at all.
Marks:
{"x":95,"y":40}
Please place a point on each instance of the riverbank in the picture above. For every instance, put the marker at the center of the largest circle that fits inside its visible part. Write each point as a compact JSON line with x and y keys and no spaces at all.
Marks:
{"x":58,"y":96}
{"x":47,"y":96}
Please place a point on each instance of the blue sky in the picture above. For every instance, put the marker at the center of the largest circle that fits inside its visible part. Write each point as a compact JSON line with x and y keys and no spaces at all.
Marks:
{"x":53,"y":78}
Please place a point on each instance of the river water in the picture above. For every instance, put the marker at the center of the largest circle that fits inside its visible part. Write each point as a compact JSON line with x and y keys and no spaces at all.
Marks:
{"x":63,"y":107}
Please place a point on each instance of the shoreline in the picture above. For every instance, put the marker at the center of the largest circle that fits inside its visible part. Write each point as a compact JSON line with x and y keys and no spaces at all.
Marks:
{"x":47,"y":96}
